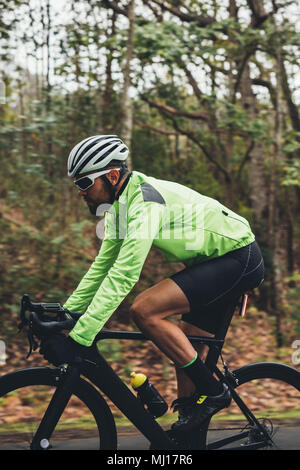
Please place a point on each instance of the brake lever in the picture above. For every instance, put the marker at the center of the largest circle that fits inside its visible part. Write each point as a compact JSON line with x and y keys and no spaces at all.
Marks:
{"x":37,"y":329}
{"x":33,"y":344}
{"x":25,"y":303}
{"x":21,"y":325}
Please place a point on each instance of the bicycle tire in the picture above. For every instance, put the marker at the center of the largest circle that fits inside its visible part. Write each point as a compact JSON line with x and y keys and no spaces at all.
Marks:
{"x":88,"y":396}
{"x":277,"y":378}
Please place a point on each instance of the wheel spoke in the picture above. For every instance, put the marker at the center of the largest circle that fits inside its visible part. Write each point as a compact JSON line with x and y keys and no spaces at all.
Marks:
{"x":274,"y":404}
{"x":25,"y":396}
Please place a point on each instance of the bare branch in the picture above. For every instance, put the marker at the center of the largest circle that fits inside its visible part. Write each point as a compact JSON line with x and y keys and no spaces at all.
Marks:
{"x":259,"y":15}
{"x":275,"y":6}
{"x":192,"y":81}
{"x":115,"y":7}
{"x":167,"y":112}
{"x":154,"y":10}
{"x":233,"y":9}
{"x":200,"y":19}
{"x":191,"y":136}
{"x":176,"y":112}
{"x":241,"y":67}
{"x":265,"y":83}
{"x":293,"y":109}
{"x":245,"y":159}
{"x":155,"y":129}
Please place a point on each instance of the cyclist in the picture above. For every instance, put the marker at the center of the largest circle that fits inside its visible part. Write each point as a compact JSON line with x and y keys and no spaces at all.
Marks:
{"x":221,"y":257}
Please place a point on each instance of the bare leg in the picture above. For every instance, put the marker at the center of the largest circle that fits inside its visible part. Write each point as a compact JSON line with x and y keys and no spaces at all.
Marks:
{"x":150,"y":311}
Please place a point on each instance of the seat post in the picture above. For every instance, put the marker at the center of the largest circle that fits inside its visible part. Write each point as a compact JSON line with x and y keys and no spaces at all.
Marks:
{"x":214,"y":351}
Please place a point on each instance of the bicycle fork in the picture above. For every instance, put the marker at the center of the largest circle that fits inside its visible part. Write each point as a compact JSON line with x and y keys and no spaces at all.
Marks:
{"x":55,"y":408}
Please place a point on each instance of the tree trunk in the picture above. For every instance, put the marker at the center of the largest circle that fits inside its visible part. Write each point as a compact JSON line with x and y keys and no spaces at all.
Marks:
{"x":274,"y":222}
{"x":126,"y":104}
{"x":22,"y":120}
{"x":256,"y":166}
{"x":108,"y":95}
{"x":48,"y":46}
{"x":290,"y":234}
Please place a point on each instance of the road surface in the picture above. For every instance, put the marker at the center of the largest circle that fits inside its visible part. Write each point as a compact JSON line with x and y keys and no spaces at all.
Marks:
{"x":287,"y":439}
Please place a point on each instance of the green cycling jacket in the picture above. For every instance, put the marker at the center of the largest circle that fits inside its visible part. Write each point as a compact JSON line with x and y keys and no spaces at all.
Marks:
{"x":184,"y":224}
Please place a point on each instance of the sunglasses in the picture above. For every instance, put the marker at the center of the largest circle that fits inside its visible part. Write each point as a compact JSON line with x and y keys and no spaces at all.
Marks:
{"x":86,"y":182}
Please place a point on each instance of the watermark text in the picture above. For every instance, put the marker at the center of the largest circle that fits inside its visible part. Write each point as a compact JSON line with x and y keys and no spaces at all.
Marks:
{"x":296,"y":354}
{"x":2,"y":353}
{"x":177,"y":222}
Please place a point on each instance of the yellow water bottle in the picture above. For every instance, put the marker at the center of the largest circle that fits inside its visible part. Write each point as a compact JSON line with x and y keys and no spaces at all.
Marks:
{"x":148,"y":395}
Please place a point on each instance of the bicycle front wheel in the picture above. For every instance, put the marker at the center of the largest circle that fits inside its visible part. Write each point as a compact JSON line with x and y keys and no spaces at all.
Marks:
{"x":271,"y":392}
{"x":86,"y":422}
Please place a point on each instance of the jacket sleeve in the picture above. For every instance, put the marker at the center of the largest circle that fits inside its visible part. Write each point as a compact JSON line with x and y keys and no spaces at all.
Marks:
{"x":143,"y":224}
{"x":81,"y":298}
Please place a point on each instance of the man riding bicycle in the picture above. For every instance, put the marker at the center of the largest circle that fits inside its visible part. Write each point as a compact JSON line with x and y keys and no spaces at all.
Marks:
{"x":221,"y":257}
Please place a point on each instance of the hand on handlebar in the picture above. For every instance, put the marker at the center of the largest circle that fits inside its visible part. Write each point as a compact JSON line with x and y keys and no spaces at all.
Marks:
{"x":56,"y":347}
{"x":33,"y":313}
{"x":60,"y":349}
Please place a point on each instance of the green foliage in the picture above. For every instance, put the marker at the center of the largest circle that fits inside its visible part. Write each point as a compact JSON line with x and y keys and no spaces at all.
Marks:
{"x":159,"y":40}
{"x":150,"y":155}
{"x":234,"y":118}
{"x":292,"y":174}
{"x":47,"y":239}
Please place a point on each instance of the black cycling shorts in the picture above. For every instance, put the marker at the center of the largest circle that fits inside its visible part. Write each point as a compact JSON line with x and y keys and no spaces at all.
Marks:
{"x":213,"y":285}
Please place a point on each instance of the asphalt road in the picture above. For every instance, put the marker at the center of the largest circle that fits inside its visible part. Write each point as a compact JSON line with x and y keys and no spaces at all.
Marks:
{"x":287,"y":439}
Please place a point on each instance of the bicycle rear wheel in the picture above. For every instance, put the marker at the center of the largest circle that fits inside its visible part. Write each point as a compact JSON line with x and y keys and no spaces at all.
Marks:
{"x":86,"y":422}
{"x":271,"y":392}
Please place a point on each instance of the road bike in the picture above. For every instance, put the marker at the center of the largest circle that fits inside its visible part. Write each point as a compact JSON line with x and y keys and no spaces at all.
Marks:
{"x":43,"y":400}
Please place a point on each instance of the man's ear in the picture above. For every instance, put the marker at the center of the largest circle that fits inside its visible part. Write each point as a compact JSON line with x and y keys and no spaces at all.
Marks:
{"x":113,"y":176}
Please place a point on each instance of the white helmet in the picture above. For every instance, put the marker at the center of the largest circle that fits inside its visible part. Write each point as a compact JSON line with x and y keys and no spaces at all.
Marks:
{"x":96,"y":152}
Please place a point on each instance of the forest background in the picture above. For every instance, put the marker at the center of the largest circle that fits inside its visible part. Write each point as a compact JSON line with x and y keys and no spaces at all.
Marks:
{"x":204,"y":93}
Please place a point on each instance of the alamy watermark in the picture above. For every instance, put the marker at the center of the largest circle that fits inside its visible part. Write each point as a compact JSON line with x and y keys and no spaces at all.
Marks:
{"x":2,"y":353}
{"x":296,"y":354}
{"x":177,"y":222}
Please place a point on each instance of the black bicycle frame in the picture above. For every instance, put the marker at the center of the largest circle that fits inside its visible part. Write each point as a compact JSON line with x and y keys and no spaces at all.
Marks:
{"x":104,"y":377}
{"x":128,"y":408}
